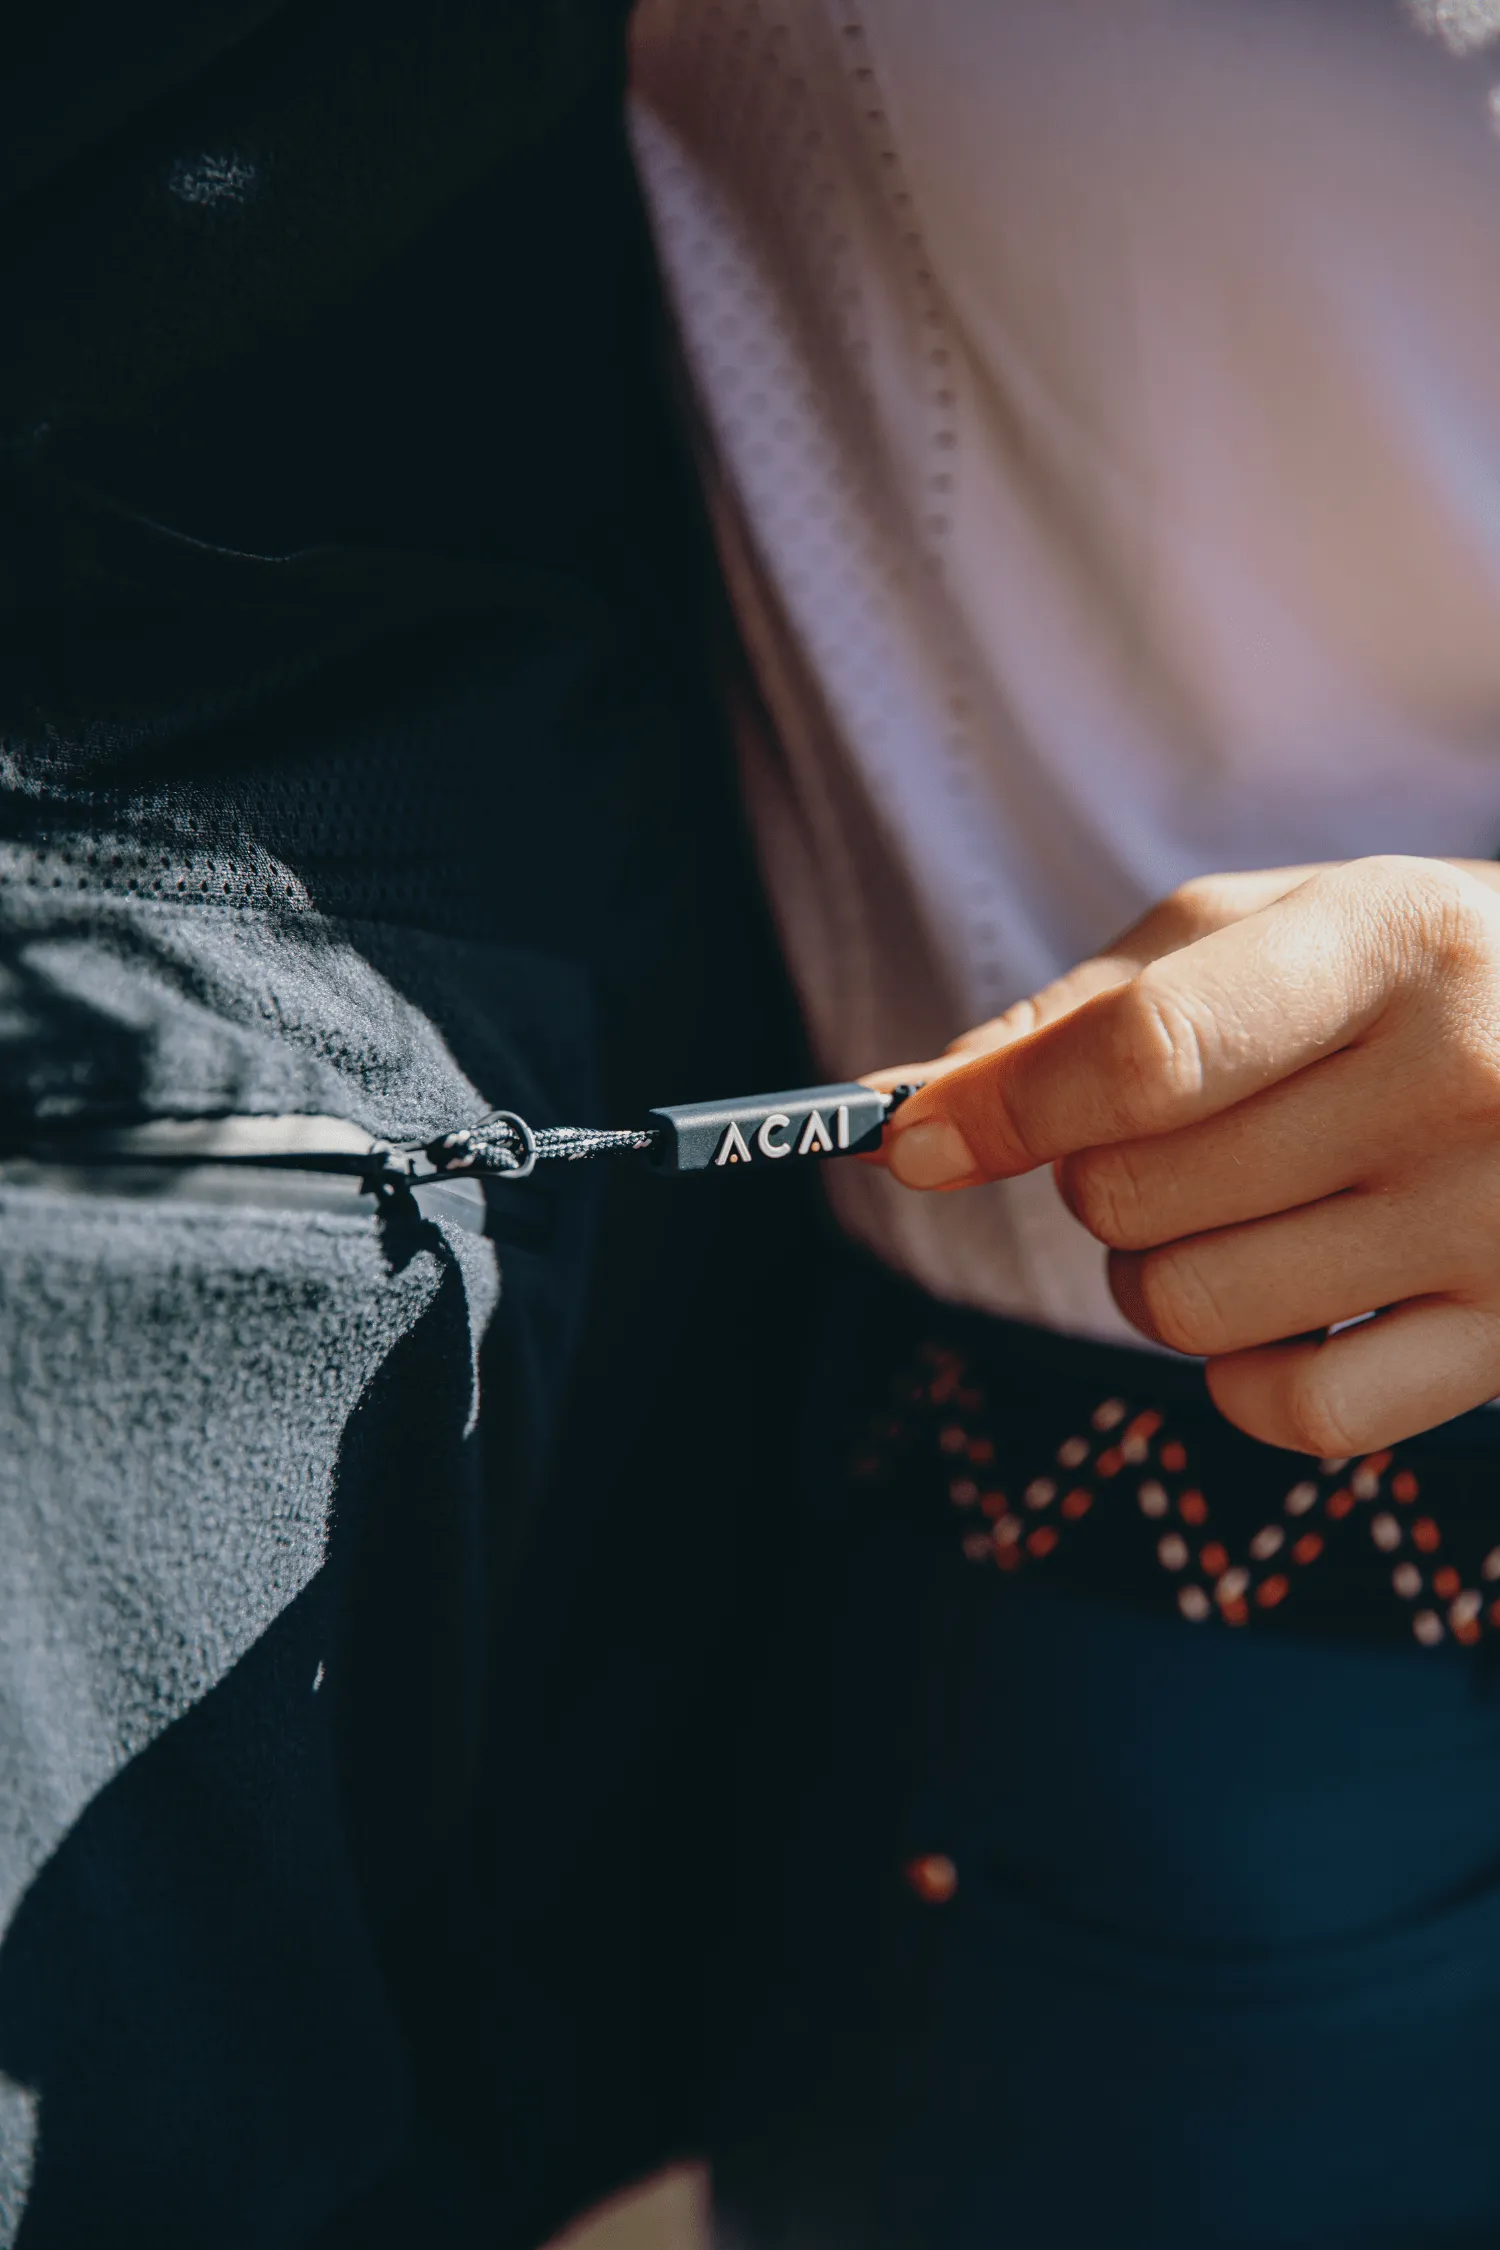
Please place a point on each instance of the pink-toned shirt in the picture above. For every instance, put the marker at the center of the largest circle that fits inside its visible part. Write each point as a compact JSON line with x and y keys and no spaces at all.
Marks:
{"x":1101,"y":409}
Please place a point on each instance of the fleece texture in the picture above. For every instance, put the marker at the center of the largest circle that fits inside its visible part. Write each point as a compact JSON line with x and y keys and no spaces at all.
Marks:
{"x":189,"y":1500}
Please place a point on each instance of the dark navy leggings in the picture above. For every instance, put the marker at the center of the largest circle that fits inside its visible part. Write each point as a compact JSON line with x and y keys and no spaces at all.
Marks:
{"x":1214,"y":1958}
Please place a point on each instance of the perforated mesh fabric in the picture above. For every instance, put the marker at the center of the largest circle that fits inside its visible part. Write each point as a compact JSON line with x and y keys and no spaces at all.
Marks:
{"x":355,"y":587}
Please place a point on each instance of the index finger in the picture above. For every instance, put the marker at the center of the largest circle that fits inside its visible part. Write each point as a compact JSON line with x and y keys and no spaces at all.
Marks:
{"x":1192,"y":1034}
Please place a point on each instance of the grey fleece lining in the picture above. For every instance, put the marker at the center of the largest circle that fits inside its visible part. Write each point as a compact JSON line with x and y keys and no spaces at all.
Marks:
{"x":156,"y":1517}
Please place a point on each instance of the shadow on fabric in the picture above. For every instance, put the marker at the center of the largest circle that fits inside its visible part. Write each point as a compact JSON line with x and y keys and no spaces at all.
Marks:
{"x":209,"y":1988}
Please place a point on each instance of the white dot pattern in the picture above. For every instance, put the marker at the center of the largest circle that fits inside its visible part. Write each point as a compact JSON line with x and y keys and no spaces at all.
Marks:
{"x":757,"y":126}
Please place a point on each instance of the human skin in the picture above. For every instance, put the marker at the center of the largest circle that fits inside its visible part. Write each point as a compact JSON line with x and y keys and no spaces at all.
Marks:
{"x":1276,"y":1102}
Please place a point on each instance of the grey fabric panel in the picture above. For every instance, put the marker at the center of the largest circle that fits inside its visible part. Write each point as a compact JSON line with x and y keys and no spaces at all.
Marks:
{"x":142,"y":1007}
{"x":177,"y":1382}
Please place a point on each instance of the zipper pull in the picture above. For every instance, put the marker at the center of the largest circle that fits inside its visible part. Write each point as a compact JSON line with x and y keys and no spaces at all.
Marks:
{"x":760,"y":1129}
{"x":753,"y":1129}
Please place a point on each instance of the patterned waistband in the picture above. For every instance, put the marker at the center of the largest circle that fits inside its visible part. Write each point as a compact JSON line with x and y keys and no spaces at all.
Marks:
{"x":1116,"y":1471}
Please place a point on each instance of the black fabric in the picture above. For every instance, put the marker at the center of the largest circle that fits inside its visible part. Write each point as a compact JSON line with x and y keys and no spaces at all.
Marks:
{"x":365,"y":1777}
{"x":350,"y":554}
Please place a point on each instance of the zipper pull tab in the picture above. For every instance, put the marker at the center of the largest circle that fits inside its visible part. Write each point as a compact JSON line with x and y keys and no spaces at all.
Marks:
{"x":761,"y":1129}
{"x":814,"y":1121}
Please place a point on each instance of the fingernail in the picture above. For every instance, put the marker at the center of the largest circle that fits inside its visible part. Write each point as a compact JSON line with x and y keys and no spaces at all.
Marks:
{"x":930,"y":1155}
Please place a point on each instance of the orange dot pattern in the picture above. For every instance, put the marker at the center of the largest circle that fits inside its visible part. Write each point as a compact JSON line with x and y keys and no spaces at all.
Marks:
{"x":933,"y":1877}
{"x":1123,"y":1464}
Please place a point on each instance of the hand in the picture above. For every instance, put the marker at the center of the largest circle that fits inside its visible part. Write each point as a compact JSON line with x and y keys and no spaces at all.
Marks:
{"x":1277,"y":1102}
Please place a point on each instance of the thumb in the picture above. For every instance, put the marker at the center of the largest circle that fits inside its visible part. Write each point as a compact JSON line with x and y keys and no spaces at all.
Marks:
{"x":1054,"y":1001}
{"x":1190,"y":913}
